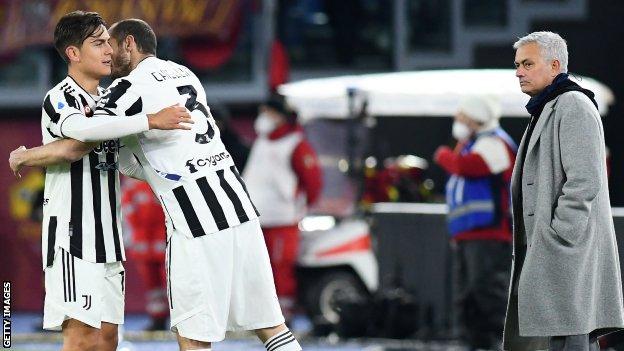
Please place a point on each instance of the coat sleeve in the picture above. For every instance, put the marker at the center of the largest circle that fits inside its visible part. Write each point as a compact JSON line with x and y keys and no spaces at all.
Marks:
{"x":580,"y":145}
{"x":307,"y":168}
{"x":469,"y":165}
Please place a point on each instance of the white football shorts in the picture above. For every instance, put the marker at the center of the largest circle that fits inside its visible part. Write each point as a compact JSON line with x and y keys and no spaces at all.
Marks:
{"x":89,"y":292}
{"x":221,"y":282}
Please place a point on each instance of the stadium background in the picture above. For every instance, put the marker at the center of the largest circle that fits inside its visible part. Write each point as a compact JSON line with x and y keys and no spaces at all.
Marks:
{"x":241,"y":49}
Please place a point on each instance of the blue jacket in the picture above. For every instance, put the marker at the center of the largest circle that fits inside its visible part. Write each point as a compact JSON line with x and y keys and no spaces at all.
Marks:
{"x":475,"y":202}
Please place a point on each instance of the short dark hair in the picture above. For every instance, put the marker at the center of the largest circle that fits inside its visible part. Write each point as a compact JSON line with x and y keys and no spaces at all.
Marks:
{"x":74,"y":28}
{"x":143,"y":34}
{"x":277,"y":102}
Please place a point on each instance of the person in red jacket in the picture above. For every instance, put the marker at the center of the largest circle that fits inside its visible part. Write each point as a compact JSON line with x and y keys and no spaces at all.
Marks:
{"x":146,"y":223}
{"x":283,"y":177}
{"x":479,"y":219}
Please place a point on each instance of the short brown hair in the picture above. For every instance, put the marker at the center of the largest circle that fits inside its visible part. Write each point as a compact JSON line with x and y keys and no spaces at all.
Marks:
{"x":74,"y":28}
{"x":143,"y":34}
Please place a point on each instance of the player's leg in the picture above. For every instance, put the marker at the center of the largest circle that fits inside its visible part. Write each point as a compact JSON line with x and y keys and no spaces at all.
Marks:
{"x":190,"y":344}
{"x":73,"y":289}
{"x":78,"y":336}
{"x":278,"y":338}
{"x":265,"y":334}
{"x":254,"y":304}
{"x":109,"y":334}
{"x":198,"y":288}
{"x":220,"y":282}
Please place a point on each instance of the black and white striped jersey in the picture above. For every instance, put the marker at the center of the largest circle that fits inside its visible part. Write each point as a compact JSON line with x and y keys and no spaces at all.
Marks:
{"x":192,"y":173}
{"x":81,"y":206}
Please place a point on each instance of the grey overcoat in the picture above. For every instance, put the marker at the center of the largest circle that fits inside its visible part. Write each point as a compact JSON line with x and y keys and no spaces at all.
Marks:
{"x":570,"y":281}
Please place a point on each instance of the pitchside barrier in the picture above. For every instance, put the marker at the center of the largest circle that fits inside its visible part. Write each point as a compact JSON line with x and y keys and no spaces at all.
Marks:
{"x":413,"y":250}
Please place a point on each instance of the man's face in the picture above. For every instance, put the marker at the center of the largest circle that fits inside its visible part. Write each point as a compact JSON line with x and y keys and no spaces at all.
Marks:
{"x":277,"y":117}
{"x":121,"y":59}
{"x":95,"y":54}
{"x":533,"y":72}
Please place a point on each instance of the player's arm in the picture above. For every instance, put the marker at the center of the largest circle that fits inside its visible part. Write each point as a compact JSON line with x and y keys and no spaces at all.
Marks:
{"x":56,"y":152}
{"x":120,"y":113}
{"x":129,"y":166}
{"x":99,"y":128}
{"x":67,"y":120}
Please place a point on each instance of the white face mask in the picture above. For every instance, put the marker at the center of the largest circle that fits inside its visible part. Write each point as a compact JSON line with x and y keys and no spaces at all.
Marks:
{"x":264,"y":124}
{"x":461,"y":131}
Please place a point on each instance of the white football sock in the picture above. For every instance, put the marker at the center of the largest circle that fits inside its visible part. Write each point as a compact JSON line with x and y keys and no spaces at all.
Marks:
{"x":282,"y":341}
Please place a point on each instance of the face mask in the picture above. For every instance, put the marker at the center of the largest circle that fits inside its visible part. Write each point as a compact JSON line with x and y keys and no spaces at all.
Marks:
{"x":264,"y":124}
{"x":461,"y":131}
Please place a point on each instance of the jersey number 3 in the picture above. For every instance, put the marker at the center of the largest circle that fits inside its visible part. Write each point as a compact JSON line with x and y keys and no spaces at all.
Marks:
{"x":192,"y":104}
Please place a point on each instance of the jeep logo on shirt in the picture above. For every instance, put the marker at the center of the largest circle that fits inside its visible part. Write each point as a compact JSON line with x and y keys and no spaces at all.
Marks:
{"x":107,"y":147}
{"x":192,"y":164}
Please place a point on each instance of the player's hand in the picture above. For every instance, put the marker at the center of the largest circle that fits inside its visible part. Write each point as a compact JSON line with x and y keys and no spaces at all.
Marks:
{"x":15,"y":160}
{"x":172,"y":117}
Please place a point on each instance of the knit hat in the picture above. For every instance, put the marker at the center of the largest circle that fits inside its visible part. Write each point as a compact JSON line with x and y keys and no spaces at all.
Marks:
{"x":483,"y":109}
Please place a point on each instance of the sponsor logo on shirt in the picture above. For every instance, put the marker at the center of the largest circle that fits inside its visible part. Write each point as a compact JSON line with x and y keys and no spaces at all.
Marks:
{"x":107,"y":147}
{"x":105,"y":166}
{"x":213,"y":160}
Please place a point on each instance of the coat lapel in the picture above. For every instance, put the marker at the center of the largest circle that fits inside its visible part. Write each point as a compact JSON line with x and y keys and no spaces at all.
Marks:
{"x":541,"y":122}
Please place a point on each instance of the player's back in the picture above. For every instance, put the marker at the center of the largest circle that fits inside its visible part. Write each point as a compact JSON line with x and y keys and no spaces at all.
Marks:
{"x":190,"y":170}
{"x":156,"y":84}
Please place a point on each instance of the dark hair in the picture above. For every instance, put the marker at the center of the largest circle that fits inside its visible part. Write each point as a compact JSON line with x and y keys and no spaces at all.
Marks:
{"x":278,"y":103}
{"x":74,"y":28}
{"x":143,"y":34}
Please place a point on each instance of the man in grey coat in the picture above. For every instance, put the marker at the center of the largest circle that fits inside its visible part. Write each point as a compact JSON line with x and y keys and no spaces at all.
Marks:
{"x":566,"y":286}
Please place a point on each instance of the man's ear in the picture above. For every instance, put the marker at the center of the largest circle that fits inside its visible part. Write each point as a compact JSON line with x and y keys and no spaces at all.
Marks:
{"x":73,"y":53}
{"x":556,"y":66}
{"x":129,"y":43}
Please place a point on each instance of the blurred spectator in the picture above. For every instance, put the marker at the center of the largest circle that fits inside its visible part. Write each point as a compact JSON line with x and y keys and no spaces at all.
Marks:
{"x":146,"y":223}
{"x":283,"y":177}
{"x":479,"y":220}
{"x":232,"y":141}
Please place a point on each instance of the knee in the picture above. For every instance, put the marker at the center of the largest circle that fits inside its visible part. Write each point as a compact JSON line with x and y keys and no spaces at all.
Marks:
{"x":190,"y":344}
{"x":87,"y":342}
{"x":108,"y":340}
